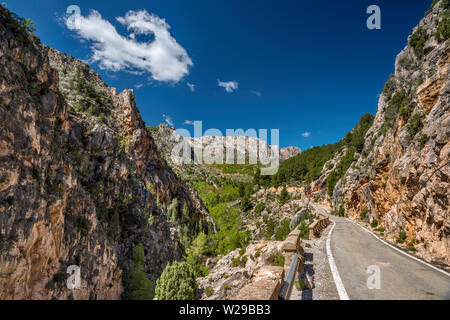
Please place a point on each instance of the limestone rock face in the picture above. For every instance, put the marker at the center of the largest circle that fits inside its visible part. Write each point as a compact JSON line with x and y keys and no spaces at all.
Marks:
{"x":402,"y":176}
{"x":225,"y":280}
{"x":81,"y":179}
{"x":212,"y":149}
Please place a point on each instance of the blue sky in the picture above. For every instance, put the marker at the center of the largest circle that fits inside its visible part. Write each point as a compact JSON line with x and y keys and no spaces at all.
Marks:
{"x":299,"y":66}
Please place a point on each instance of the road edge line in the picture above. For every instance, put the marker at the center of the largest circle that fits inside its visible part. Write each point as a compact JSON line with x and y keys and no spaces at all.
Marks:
{"x":334,"y":271}
{"x":401,"y":251}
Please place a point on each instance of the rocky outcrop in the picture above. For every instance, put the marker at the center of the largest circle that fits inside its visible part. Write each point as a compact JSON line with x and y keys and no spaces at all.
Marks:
{"x":401,"y":177}
{"x":213,"y":149}
{"x":289,"y":152}
{"x":81,"y":179}
{"x":236,"y":269}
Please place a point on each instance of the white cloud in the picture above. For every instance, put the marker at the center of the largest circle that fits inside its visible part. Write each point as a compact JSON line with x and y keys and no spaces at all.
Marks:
{"x":229,"y":86}
{"x":168,"y":120}
{"x":191,"y":86}
{"x":189,"y":122}
{"x":138,"y":86}
{"x":161,"y":56}
{"x":306,"y":134}
{"x":258,"y":93}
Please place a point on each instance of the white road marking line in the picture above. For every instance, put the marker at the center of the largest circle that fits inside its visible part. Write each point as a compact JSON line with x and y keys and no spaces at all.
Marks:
{"x":401,"y":251}
{"x":337,"y":279}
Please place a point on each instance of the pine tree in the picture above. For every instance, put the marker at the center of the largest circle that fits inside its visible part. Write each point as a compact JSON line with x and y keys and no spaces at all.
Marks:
{"x":284,"y":196}
{"x":177,"y":282}
{"x":245,"y":203}
{"x":139,"y":287}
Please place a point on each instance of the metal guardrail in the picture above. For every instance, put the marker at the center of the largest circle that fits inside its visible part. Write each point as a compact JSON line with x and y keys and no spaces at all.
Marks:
{"x":288,"y":283}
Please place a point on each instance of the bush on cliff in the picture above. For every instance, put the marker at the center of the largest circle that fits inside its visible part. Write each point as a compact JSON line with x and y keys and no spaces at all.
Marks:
{"x":177,"y":282}
{"x":196,"y":255}
{"x":415,"y":125}
{"x":139,"y":287}
{"x":284,"y":196}
{"x":417,"y":41}
{"x":443,"y":29}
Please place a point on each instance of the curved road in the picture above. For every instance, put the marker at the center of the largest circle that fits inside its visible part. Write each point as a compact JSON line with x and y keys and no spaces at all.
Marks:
{"x":401,"y":277}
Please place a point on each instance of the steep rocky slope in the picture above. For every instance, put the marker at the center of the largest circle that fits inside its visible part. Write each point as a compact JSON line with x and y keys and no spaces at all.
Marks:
{"x":401,"y":178}
{"x":81,"y":179}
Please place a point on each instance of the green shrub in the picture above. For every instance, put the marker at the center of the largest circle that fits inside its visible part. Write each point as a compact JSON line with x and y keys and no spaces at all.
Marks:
{"x":415,"y":125}
{"x":405,"y":111}
{"x":443,"y":28}
{"x":283,"y":230}
{"x":401,"y":237}
{"x":245,"y":203}
{"x":433,"y":4}
{"x":26,"y":25}
{"x":304,"y":230}
{"x":406,"y":62}
{"x":209,"y":291}
{"x":399,"y":102}
{"x":177,"y":282}
{"x":284,"y":196}
{"x":260,"y":208}
{"x":374,"y":223}
{"x":424,"y":139}
{"x":277,"y":259}
{"x":124,"y":144}
{"x":228,"y":222}
{"x":363,"y":214}
{"x":389,"y":88}
{"x":417,"y":41}
{"x":139,"y":287}
{"x":196,"y":254}
{"x":300,"y":284}
{"x":240,"y":261}
{"x":341,"y":169}
{"x":332,"y":180}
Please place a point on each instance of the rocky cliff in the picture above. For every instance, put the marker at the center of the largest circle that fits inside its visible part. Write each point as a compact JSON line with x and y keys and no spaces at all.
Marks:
{"x":81,"y":179}
{"x":401,"y":178}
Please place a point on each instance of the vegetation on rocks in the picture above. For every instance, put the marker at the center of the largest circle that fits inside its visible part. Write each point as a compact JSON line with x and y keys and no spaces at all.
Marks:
{"x":277,"y":259}
{"x":196,"y":255}
{"x":443,"y":28}
{"x":139,"y":287}
{"x":284,"y":196}
{"x":227,"y":219}
{"x":415,"y":125}
{"x":417,"y":41}
{"x":177,"y":282}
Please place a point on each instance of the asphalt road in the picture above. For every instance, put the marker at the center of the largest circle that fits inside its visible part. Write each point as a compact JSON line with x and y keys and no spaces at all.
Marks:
{"x":400,"y":277}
